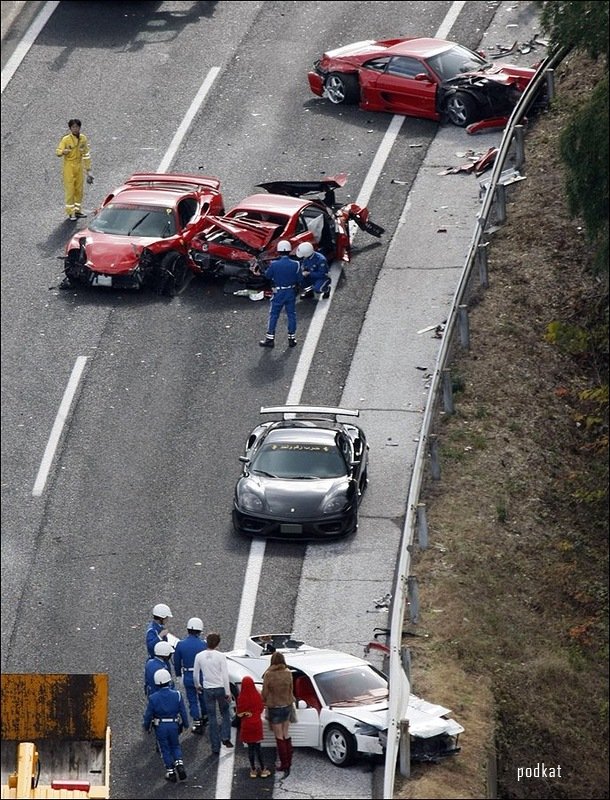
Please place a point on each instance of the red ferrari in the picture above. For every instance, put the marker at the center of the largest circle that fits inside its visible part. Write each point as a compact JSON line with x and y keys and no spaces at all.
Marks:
{"x":237,"y":245}
{"x":429,"y":78}
{"x":142,"y":233}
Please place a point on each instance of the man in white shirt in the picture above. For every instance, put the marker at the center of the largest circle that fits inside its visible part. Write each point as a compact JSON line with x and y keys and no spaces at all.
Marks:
{"x":211,"y":676}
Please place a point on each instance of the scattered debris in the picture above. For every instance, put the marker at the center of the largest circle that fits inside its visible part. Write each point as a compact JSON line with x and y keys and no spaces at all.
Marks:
{"x":477,"y":167}
{"x":383,"y":602}
{"x":399,"y":183}
{"x":438,"y":328}
{"x":524,"y":47}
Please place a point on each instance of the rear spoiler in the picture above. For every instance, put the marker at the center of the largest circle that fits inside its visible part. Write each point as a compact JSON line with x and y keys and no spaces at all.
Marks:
{"x":290,"y":412}
{"x":178,"y":180}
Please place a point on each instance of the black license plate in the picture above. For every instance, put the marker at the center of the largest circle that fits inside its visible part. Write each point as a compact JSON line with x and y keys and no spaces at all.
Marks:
{"x":291,"y":528}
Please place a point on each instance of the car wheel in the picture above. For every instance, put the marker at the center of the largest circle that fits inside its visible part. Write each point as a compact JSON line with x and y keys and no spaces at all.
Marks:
{"x":340,"y":88}
{"x":339,"y":745}
{"x":177,"y":273}
{"x":461,"y":109}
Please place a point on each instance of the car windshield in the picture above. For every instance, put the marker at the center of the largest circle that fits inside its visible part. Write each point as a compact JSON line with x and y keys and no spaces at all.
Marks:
{"x":299,"y":460}
{"x":451,"y":63}
{"x":128,"y":220}
{"x":352,"y":686}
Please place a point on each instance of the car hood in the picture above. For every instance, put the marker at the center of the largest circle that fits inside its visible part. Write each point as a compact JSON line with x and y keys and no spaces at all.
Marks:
{"x":425,"y":719}
{"x":293,"y":498}
{"x":253,"y":234}
{"x":301,"y":188}
{"x":505,"y":74}
{"x":108,"y":253}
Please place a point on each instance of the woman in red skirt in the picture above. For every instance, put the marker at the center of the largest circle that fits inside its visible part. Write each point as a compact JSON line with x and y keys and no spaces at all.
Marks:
{"x":249,"y":709}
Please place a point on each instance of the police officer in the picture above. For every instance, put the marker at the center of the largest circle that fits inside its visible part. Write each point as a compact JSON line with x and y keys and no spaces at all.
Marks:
{"x":315,"y":271}
{"x":184,"y":660}
{"x":156,"y":630}
{"x":167,"y":715}
{"x":160,"y":660}
{"x":285,"y":274}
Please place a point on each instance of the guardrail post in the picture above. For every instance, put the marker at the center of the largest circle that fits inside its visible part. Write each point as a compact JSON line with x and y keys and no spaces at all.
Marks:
{"x":464,"y":326}
{"x":422,"y":526}
{"x":519,"y":136}
{"x":413,"y":595}
{"x":550,"y":84}
{"x":500,"y":198}
{"x":481,"y":258}
{"x":447,"y":392}
{"x":404,"y":749}
{"x":435,"y":467}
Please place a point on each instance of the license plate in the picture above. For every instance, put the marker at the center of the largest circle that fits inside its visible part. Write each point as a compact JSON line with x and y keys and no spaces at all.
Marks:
{"x":102,"y":280}
{"x":291,"y":528}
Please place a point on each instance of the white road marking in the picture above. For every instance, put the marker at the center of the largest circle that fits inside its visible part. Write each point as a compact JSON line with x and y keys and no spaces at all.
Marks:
{"x":188,"y":118}
{"x":60,"y":419}
{"x":28,"y":40}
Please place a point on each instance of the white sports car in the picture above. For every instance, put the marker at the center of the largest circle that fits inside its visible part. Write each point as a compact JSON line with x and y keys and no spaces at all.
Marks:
{"x":342,"y":702}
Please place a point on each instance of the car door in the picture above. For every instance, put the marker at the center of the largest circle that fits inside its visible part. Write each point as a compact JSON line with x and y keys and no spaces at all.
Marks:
{"x":406,"y":86}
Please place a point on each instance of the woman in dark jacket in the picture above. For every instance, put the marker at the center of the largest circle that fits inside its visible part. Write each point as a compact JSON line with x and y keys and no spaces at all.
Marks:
{"x":249,"y":709}
{"x":279,"y":700}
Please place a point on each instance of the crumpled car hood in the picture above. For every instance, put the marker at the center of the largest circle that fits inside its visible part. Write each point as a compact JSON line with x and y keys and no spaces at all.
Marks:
{"x":253,"y":234}
{"x":112,"y":255}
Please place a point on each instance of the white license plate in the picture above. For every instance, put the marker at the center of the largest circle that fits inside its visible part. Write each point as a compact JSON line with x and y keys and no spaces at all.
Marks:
{"x":291,"y":528}
{"x":102,"y":280}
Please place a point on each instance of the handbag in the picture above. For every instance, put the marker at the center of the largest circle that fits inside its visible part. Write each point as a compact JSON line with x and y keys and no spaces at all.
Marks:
{"x":293,"y":713}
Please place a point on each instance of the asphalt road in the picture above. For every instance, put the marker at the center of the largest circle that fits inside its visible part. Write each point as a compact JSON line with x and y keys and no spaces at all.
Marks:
{"x":137,"y":506}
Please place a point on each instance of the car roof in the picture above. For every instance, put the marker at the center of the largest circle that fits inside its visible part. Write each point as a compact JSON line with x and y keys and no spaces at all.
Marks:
{"x":314,"y":660}
{"x":302,"y":433}
{"x":272,"y":202}
{"x":165,"y":198}
{"x":425,"y":48}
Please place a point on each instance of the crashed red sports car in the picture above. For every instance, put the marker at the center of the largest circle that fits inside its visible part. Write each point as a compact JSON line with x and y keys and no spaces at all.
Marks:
{"x":430,"y":78}
{"x":141,"y":234}
{"x":238,"y":246}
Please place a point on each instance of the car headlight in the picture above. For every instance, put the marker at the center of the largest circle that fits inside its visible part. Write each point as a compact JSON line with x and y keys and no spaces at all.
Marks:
{"x":250,"y":500}
{"x":335,"y":503}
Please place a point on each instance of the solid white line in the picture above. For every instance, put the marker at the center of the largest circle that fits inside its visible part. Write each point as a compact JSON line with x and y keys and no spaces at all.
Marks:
{"x":27,"y":41}
{"x":60,"y":420}
{"x":188,"y":118}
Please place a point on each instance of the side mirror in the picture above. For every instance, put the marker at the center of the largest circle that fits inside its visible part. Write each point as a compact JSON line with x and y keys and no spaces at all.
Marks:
{"x":301,"y":704}
{"x":244,"y":459}
{"x":422,"y":76}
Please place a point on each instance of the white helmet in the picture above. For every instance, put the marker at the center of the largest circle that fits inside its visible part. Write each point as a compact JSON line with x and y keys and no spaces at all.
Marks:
{"x":284,"y":246}
{"x":162,"y":677}
{"x":163,"y":649}
{"x":194,"y":624}
{"x":304,"y":250}
{"x":162,"y":611}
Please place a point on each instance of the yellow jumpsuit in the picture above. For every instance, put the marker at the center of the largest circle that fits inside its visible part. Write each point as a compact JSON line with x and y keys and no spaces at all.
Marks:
{"x":75,"y":162}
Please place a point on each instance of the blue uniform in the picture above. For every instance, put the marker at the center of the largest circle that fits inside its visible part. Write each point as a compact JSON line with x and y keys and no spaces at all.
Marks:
{"x":286,"y":276}
{"x":167,"y":714}
{"x":317,"y":279}
{"x":152,"y":637}
{"x":184,"y":659}
{"x":151,"y":666}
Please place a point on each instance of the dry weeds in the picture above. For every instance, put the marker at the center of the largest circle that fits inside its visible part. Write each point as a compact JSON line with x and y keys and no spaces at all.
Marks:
{"x":513,"y":588}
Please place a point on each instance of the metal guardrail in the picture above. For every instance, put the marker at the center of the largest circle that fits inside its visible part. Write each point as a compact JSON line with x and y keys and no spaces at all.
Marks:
{"x":456,"y":322}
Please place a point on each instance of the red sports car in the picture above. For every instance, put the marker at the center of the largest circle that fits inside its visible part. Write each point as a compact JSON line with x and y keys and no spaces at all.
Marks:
{"x":429,"y":78}
{"x":142,"y":233}
{"x":238,"y":245}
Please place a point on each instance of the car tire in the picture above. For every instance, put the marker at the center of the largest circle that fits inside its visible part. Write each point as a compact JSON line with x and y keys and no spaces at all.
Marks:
{"x":461,"y":109}
{"x":342,"y":89}
{"x":177,"y":272}
{"x":339,"y":745}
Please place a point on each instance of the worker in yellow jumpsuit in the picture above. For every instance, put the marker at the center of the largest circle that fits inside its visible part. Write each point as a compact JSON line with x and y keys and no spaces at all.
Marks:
{"x":74,"y":148}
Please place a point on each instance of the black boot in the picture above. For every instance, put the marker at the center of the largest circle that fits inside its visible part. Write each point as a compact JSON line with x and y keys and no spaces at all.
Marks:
{"x":292,"y":341}
{"x":268,"y":341}
{"x":180,"y":770}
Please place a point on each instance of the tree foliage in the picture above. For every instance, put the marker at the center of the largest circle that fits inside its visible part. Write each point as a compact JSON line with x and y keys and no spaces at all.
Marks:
{"x":582,"y":24}
{"x":584,"y":148}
